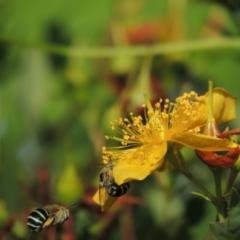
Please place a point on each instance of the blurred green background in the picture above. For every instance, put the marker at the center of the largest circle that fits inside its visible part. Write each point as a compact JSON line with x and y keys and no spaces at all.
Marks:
{"x":68,"y":68}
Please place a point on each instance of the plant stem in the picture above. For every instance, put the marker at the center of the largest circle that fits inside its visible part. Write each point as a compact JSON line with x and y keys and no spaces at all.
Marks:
{"x":130,"y":51}
{"x":178,"y":161}
{"x":217,"y":173}
{"x":233,"y":175}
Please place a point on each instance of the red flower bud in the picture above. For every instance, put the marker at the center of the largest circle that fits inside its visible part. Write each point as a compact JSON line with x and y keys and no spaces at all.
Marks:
{"x":214,"y":159}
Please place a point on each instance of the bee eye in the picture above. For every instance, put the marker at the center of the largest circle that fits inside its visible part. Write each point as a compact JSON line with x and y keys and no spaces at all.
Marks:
{"x":101,"y":177}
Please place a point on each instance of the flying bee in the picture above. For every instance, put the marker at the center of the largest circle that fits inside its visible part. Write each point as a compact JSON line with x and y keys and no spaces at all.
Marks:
{"x":46,"y":217}
{"x":107,"y":185}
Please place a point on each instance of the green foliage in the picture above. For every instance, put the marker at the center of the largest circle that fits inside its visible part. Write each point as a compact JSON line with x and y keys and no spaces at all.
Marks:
{"x":69,"y":187}
{"x":58,"y":94}
{"x":229,"y":229}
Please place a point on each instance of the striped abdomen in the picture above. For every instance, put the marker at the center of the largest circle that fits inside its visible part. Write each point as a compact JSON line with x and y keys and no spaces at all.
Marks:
{"x":36,"y":219}
{"x":115,"y":190}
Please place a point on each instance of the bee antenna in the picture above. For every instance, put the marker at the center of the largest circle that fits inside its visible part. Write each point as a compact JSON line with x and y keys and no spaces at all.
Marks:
{"x":74,"y":204}
{"x":102,"y":164}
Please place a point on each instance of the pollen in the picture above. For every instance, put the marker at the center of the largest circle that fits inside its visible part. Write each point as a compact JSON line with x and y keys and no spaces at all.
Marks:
{"x":162,"y":121}
{"x":144,"y":137}
{"x":186,"y":111}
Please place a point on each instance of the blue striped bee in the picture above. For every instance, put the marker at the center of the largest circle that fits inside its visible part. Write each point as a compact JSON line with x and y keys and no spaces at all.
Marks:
{"x":107,"y":185}
{"x":46,"y":217}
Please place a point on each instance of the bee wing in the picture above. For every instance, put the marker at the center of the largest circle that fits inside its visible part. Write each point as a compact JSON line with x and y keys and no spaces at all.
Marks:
{"x":108,"y":203}
{"x":53,"y":208}
{"x":102,"y":198}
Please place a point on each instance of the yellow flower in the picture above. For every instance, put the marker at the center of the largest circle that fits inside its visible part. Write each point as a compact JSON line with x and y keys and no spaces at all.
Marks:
{"x":145,"y":141}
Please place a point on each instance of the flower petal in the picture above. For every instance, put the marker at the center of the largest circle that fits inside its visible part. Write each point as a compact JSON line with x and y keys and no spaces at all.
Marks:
{"x":224,"y":108}
{"x":127,"y":172}
{"x":147,"y":154}
{"x":203,"y":142}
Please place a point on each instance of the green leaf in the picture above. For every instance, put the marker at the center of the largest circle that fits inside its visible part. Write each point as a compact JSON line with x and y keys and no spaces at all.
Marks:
{"x":232,"y":198}
{"x":218,"y":230}
{"x":69,"y":186}
{"x":230,"y":228}
{"x":200,"y":195}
